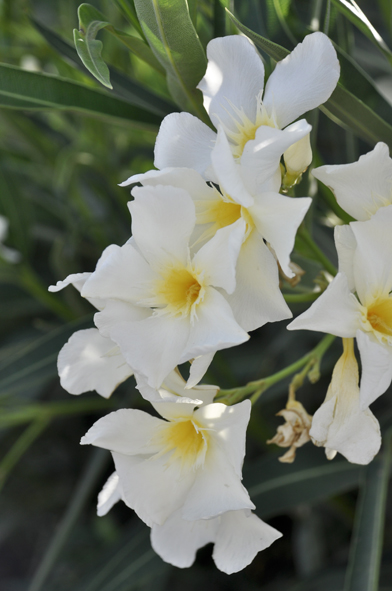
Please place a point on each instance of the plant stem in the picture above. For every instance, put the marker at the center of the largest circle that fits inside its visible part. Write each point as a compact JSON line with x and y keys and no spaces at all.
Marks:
{"x":257,"y":387}
{"x":306,"y":237}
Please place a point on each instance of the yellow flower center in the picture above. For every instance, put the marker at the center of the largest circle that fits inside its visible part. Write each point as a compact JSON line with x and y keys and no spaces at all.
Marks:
{"x":379,"y":315}
{"x":221,"y":212}
{"x":186,"y":441}
{"x":245,"y":128}
{"x":179,"y":291}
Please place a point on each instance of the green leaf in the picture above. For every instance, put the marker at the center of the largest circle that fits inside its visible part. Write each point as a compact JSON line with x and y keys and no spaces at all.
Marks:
{"x":359,"y":83}
{"x":342,"y":107}
{"x":353,"y":12}
{"x":172,"y":37}
{"x":43,"y":91}
{"x":123,"y":86}
{"x":90,"y":22}
{"x":139,"y":48}
{"x":277,"y":488}
{"x":89,"y":48}
{"x":366,"y":548}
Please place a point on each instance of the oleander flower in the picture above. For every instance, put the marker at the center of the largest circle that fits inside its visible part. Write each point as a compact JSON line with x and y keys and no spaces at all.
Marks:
{"x":363,"y":187}
{"x":358,"y":302}
{"x":233,"y":97}
{"x":188,"y":461}
{"x":339,"y":424}
{"x":164,"y":306}
{"x":237,"y":536}
{"x":249,"y":191}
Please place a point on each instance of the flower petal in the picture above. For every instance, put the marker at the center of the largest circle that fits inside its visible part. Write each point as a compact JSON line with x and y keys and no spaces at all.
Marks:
{"x":229,"y":425}
{"x":214,"y":328}
{"x":234,"y":76}
{"x":154,"y":488}
{"x":182,"y":178}
{"x":218,"y":257}
{"x":184,"y":141}
{"x":198,"y":368}
{"x":177,"y":540}
{"x":336,"y":311}
{"x":257,"y":298}
{"x":217,"y":489}
{"x":277,"y":219}
{"x":154,"y":346}
{"x":163,"y":218}
{"x":241,"y":535}
{"x":376,"y":368}
{"x":126,"y":431}
{"x":109,"y":495}
{"x":124,"y":275}
{"x":340,"y":424}
{"x":346,"y":245}
{"x":303,"y":80}
{"x":362,"y":187}
{"x":372,"y":261}
{"x":117,"y":312}
{"x":89,"y":361}
{"x":228,"y":172}
{"x":75,"y":279}
{"x":261,"y":156}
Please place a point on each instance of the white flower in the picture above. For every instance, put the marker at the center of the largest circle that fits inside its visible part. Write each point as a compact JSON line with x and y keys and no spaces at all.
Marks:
{"x":10,"y":255}
{"x":89,"y":361}
{"x":365,"y":265}
{"x":339,"y":424}
{"x":233,"y":96}
{"x":191,"y":461}
{"x":162,"y":306}
{"x":362,"y":187}
{"x":249,"y":191}
{"x":237,"y":536}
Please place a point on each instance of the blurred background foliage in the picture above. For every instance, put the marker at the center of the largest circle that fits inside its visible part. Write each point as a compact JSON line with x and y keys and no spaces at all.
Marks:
{"x":60,"y":167}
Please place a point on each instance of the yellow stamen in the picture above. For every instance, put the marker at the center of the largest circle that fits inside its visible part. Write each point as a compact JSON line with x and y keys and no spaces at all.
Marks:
{"x":379,"y":314}
{"x":186,"y":441}
{"x":179,"y":291}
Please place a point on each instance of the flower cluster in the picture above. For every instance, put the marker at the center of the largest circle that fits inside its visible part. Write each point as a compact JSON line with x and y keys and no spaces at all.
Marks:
{"x":210,"y":230}
{"x":357,"y":304}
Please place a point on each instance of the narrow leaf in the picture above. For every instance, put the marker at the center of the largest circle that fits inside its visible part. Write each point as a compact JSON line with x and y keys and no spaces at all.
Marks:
{"x":366,"y":547}
{"x":352,"y":11}
{"x":87,"y":46}
{"x":123,"y":86}
{"x":52,"y":92}
{"x":342,"y":107}
{"x":171,"y":35}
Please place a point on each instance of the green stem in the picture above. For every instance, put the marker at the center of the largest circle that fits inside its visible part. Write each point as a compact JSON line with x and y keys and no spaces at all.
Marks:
{"x":257,"y":387}
{"x":32,"y":412}
{"x":306,"y":237}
